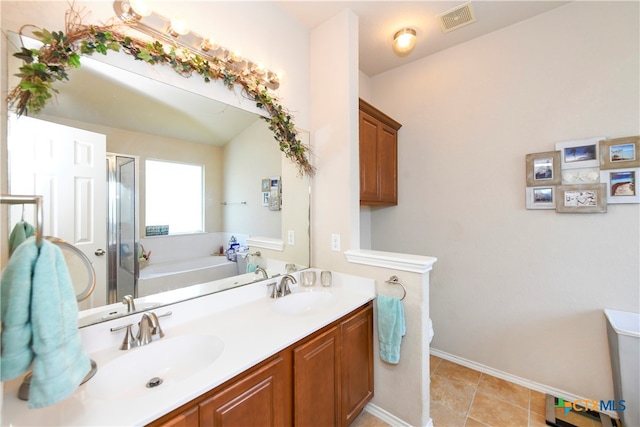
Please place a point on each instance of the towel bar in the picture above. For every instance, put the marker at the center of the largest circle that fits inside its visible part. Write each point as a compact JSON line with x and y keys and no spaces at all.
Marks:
{"x":10,"y":199}
{"x":244,"y":255}
{"x":393,"y":280}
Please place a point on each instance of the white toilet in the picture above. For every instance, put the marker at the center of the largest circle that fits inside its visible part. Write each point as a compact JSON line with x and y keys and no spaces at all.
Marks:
{"x":623,"y":332}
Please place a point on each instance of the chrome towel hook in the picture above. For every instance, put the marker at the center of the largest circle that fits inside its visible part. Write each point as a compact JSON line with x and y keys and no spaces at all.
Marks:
{"x":10,"y":199}
{"x":393,"y":280}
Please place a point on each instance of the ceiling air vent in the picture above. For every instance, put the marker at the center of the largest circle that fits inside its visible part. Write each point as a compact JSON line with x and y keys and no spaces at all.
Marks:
{"x":457,"y":17}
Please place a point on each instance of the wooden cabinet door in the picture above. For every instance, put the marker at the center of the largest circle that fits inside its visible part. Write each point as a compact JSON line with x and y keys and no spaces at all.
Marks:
{"x":257,"y":399}
{"x":316,"y":381}
{"x":368,"y":158}
{"x":357,"y":363}
{"x":378,"y":157}
{"x":387,"y":165}
{"x":187,"y":418}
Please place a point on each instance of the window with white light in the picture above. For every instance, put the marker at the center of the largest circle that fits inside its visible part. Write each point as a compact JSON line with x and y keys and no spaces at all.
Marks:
{"x":174,"y":196}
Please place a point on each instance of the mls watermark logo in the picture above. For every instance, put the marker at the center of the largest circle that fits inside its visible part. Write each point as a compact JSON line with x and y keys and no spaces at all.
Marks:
{"x":590,"y":405}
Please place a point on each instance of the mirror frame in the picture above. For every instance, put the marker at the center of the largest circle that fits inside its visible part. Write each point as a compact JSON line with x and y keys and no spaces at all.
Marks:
{"x":63,"y":50}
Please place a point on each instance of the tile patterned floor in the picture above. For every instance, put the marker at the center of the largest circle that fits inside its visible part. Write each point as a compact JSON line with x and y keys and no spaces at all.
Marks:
{"x":463,"y":397}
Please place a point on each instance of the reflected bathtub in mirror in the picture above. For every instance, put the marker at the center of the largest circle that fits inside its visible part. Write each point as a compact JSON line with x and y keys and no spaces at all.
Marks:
{"x":172,"y":275}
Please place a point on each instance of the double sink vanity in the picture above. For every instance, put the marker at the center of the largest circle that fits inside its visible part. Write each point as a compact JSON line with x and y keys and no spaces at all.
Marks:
{"x":236,"y":357}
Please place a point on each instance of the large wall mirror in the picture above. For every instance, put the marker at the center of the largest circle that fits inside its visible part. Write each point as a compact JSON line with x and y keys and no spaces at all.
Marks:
{"x":140,"y":118}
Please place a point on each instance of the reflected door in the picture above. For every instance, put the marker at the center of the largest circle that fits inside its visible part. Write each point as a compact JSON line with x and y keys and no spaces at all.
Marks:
{"x":66,"y":166}
{"x":122,"y":227}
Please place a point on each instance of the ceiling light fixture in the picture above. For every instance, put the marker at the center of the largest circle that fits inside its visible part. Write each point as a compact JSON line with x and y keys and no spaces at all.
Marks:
{"x":139,"y":16}
{"x":404,"y":41}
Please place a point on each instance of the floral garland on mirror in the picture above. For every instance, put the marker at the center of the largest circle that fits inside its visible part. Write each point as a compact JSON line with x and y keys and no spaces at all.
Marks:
{"x":62,"y":50}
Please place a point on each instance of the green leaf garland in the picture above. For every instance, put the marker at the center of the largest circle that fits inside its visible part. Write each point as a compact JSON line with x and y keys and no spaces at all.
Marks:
{"x":62,"y":50}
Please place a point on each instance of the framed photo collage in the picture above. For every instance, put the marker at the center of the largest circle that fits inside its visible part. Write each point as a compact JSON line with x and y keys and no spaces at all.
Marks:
{"x":585,"y":175}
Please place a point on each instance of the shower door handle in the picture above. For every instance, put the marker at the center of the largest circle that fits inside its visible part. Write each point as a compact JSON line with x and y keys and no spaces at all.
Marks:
{"x":99,"y":252}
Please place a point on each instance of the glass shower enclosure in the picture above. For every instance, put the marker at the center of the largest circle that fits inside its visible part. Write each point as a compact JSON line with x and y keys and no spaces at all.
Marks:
{"x":122,"y":226}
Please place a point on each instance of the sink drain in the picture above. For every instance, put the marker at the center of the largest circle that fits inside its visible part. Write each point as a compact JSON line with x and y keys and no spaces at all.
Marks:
{"x":154,"y":382}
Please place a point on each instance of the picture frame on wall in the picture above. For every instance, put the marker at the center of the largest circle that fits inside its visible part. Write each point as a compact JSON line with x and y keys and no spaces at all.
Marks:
{"x":586,"y":198}
{"x":620,"y":153}
{"x":581,"y":176}
{"x":580,"y":153}
{"x":541,"y":197}
{"x":621,"y":185}
{"x":543,"y":169}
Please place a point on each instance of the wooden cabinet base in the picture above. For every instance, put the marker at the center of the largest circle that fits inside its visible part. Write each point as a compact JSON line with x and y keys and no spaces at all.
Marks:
{"x":325,"y":379}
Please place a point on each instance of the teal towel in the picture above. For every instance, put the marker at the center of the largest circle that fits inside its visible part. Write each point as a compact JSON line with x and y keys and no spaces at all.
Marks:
{"x":40,"y":324}
{"x":391,"y":328}
{"x":252,"y":267}
{"x":19,"y":234}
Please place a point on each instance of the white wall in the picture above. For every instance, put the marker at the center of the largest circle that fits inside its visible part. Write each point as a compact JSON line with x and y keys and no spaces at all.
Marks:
{"x":335,"y":210}
{"x":246,"y":164}
{"x":518,"y":290}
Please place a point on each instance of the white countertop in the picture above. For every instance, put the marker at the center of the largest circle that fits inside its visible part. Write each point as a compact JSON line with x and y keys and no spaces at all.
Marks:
{"x":242,"y":318}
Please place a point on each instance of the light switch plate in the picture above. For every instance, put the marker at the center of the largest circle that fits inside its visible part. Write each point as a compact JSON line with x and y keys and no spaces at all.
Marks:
{"x":291,"y":237}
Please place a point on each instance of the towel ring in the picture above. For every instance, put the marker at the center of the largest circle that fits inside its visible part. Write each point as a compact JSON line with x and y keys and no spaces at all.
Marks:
{"x":393,"y":280}
{"x":83,"y":275}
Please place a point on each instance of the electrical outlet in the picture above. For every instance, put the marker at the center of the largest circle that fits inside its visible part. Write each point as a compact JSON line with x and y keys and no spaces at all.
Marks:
{"x":291,"y":238}
{"x":335,"y":242}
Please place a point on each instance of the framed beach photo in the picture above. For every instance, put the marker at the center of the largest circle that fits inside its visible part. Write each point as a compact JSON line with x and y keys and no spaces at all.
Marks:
{"x":620,"y":153}
{"x":621,"y":184}
{"x":541,"y":197}
{"x":579,"y":153}
{"x":587,"y":198}
{"x":543,"y":169}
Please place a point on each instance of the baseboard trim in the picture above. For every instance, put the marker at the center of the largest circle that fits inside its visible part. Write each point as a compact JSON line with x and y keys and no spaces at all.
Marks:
{"x":542,"y":388}
{"x":388,"y":417}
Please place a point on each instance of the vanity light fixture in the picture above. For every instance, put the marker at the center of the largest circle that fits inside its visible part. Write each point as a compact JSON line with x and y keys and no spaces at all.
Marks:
{"x":178,"y":27}
{"x":138,"y":15}
{"x":208,"y":43}
{"x":140,"y":8}
{"x":404,"y":41}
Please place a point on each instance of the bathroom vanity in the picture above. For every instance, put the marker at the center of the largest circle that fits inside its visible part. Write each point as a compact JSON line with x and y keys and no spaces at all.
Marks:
{"x":324,"y":379}
{"x":233,"y":358}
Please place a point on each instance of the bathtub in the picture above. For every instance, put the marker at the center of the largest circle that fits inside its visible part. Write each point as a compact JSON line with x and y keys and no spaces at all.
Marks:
{"x":167,"y":276}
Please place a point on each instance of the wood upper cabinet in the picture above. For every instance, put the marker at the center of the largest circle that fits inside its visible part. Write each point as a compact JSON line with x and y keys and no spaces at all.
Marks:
{"x":378,"y":157}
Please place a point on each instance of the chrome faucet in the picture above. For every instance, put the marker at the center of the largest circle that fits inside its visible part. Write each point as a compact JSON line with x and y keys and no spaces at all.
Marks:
{"x":284,"y":288}
{"x":148,"y":327}
{"x":262,"y":271}
{"x":128,"y":301}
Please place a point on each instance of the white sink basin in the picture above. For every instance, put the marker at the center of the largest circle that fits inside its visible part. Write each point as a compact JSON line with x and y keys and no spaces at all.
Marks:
{"x":302,"y":303}
{"x":170,"y":359}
